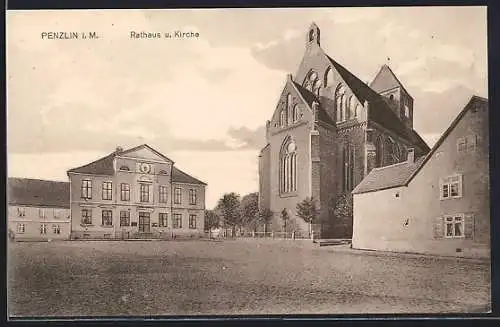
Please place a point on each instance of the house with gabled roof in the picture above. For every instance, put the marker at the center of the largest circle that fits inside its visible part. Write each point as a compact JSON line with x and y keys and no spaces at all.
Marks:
{"x":135,"y":193}
{"x":38,"y":209}
{"x":328,"y":130}
{"x":438,"y":203}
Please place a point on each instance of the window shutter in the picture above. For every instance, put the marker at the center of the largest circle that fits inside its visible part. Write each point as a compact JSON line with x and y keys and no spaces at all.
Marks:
{"x":469,"y":226}
{"x":438,"y":228}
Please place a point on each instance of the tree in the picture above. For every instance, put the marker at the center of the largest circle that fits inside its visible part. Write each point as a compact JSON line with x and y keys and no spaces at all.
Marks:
{"x":228,"y":209}
{"x":342,"y":211}
{"x":265,"y":217}
{"x":284,"y":216}
{"x":250,"y":211}
{"x":212,"y":220}
{"x":306,"y":209}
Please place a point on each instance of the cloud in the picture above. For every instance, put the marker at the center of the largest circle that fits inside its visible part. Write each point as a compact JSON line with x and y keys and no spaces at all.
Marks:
{"x":251,"y":139}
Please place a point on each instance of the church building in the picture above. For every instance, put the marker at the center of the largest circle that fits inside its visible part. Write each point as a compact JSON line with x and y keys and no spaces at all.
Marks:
{"x":328,"y":131}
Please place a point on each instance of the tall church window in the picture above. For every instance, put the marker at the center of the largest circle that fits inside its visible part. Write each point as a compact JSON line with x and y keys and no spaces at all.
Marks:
{"x":295,"y":113}
{"x":379,"y":148}
{"x":340,"y":102}
{"x":289,"y":107}
{"x":348,"y":156}
{"x":288,"y":167}
{"x":312,"y":82}
{"x":352,"y":106}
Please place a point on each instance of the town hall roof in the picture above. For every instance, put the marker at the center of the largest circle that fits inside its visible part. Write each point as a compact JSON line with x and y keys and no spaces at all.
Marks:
{"x":401,"y":174}
{"x":37,"y":192}
{"x":104,"y":166}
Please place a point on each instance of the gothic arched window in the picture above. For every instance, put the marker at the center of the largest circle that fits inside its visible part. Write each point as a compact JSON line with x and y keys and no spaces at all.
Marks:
{"x":295,"y":112}
{"x":288,"y":166}
{"x":352,"y":106}
{"x":328,"y":77}
{"x":339,"y":100}
{"x":312,"y":82}
{"x":283,"y":118}
{"x":379,"y":148}
{"x":348,"y":156}
{"x":289,"y":107}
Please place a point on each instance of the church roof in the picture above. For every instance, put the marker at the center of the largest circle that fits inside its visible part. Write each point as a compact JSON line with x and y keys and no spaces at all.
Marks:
{"x":104,"y":166}
{"x":402,"y":173}
{"x":38,"y":193}
{"x":379,"y":112}
{"x":386,"y":80}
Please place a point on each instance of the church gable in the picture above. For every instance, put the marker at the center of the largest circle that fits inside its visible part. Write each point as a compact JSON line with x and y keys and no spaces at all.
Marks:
{"x":145,"y":152}
{"x":292,"y":108}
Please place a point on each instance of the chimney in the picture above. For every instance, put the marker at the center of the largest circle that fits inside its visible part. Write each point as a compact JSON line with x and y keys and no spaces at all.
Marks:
{"x":118,"y":149}
{"x":411,"y":155}
{"x":289,"y":77}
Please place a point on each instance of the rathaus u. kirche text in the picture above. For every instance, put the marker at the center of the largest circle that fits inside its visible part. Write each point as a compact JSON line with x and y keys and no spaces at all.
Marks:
{"x":328,"y":130}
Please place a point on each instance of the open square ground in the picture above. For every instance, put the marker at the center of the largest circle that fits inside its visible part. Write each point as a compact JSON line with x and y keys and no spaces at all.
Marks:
{"x":149,"y":278}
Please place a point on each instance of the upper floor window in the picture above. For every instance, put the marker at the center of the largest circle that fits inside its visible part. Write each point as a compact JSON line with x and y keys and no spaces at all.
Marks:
{"x":192,"y":196}
{"x":107,"y":190}
{"x":86,"y":189}
{"x":125,"y":192}
{"x":21,"y":212}
{"x":467,"y":143}
{"x":163,"y":194}
{"x":86,"y":217}
{"x":41,"y":213}
{"x":177,"y":195}
{"x":43,"y":229}
{"x":144,"y":192}
{"x":451,"y":187}
{"x":56,"y":229}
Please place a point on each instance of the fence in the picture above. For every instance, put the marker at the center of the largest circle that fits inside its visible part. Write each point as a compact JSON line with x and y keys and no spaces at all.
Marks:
{"x":268,"y":235}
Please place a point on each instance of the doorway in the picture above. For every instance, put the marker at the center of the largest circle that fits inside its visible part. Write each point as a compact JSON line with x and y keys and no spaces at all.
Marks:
{"x":144,"y":222}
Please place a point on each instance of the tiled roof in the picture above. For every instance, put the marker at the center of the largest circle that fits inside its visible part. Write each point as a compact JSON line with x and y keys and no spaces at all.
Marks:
{"x":388,"y":176}
{"x":39,"y":193}
{"x":379,"y":111}
{"x":386,"y":80}
{"x":181,"y":177}
{"x":310,"y":97}
{"x":401,"y":174}
{"x":104,"y":166}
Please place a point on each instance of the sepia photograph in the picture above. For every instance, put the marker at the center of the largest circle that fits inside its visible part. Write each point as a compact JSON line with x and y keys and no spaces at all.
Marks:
{"x":277,"y":161}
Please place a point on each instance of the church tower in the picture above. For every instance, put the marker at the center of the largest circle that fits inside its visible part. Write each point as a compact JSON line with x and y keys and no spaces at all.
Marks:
{"x":392,"y":90}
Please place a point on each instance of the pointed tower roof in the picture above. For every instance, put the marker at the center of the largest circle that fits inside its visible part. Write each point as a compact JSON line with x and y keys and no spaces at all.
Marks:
{"x":386,"y":80}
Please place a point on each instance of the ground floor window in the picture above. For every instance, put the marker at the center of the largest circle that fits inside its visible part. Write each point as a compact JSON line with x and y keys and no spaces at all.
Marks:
{"x":43,"y":229}
{"x":162,"y":219}
{"x":21,"y":228}
{"x":107,"y":218}
{"x":86,"y":217}
{"x":454,"y":226}
{"x":192,"y":221}
{"x":124,"y":218}
{"x":56,"y":229}
{"x":177,"y":220}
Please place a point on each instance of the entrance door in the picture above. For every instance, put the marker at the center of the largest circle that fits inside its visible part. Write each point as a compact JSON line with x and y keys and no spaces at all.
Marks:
{"x":144,"y":222}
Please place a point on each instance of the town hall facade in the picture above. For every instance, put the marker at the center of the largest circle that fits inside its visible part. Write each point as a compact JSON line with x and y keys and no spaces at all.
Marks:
{"x":328,"y":131}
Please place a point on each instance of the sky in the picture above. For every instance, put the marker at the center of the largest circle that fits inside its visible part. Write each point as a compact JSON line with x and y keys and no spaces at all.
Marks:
{"x":204,"y":101}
